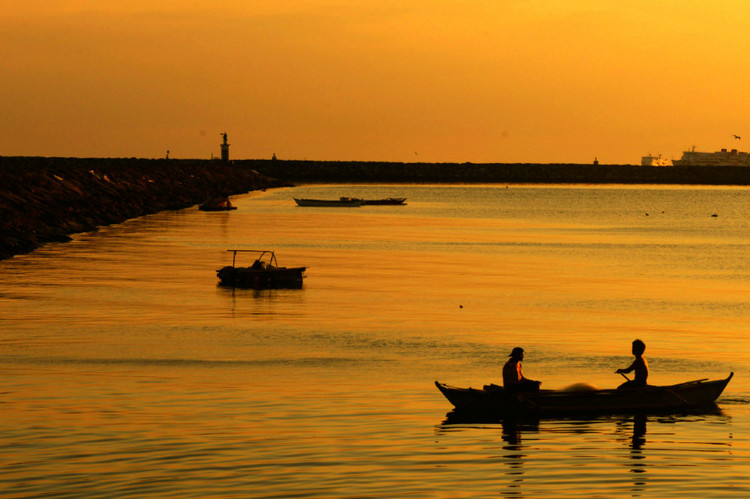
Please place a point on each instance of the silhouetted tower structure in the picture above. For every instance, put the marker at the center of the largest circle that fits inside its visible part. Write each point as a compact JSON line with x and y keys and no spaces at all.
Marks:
{"x":225,"y":149}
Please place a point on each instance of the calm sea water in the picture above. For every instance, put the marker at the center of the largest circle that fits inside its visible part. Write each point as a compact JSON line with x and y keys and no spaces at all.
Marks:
{"x":126,"y":371}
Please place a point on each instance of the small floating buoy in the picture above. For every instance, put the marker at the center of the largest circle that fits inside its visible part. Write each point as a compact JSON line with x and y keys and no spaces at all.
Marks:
{"x":460,"y":306}
{"x":715,"y":215}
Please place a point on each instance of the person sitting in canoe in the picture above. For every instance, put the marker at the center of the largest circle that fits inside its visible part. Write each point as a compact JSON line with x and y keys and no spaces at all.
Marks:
{"x":513,"y":378}
{"x":639,"y":365}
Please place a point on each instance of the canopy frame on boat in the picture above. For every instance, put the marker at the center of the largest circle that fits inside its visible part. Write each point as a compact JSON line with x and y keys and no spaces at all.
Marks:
{"x":272,"y":259}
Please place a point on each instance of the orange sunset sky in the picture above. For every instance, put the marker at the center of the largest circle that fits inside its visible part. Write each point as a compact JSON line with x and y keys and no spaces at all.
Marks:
{"x":375,"y":80}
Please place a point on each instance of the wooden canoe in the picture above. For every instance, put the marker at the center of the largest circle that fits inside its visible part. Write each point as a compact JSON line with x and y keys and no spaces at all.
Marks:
{"x":494,"y":399}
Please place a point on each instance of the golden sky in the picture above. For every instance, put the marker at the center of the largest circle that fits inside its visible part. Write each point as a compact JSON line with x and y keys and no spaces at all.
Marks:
{"x":375,"y":80}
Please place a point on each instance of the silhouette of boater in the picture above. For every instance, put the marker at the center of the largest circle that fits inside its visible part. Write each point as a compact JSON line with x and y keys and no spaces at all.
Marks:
{"x":639,"y":365}
{"x":513,"y":378}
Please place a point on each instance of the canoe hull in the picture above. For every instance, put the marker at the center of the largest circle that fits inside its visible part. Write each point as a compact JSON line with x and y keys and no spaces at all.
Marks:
{"x":690,"y":395}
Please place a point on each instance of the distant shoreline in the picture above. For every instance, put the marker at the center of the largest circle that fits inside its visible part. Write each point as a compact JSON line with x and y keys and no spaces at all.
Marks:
{"x":533,"y":173}
{"x":48,"y":199}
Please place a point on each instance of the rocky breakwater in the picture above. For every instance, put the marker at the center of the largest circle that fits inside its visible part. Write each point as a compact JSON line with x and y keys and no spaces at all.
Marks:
{"x":48,"y":199}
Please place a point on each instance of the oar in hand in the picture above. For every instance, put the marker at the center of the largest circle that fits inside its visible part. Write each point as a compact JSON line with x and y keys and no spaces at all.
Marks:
{"x":623,"y":375}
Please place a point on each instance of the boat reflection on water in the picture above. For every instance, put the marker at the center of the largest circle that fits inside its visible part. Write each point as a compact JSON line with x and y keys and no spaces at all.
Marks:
{"x":526,"y":422}
{"x":514,"y":452}
{"x":639,"y":431}
{"x":637,"y":437}
{"x":513,"y":427}
{"x":637,"y":456}
{"x":547,"y":437}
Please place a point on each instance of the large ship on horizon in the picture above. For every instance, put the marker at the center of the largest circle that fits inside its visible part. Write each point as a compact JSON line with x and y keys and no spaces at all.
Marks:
{"x":725,"y":157}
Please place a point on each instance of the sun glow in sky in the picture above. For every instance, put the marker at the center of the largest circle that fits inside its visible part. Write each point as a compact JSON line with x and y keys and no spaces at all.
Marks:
{"x":374,"y":80}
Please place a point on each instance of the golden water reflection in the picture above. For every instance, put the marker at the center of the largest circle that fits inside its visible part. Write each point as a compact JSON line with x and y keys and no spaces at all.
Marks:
{"x":528,"y":446}
{"x":122,"y":338}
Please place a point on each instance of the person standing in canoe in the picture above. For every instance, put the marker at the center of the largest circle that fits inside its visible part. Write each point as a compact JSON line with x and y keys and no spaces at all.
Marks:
{"x":639,"y":365}
{"x":513,"y":378}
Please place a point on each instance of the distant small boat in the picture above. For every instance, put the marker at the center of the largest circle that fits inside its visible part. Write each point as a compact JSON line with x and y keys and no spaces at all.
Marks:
{"x":264,"y":273}
{"x":494,"y":399}
{"x":389,"y":201}
{"x":342,"y":201}
{"x":217,"y":204}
